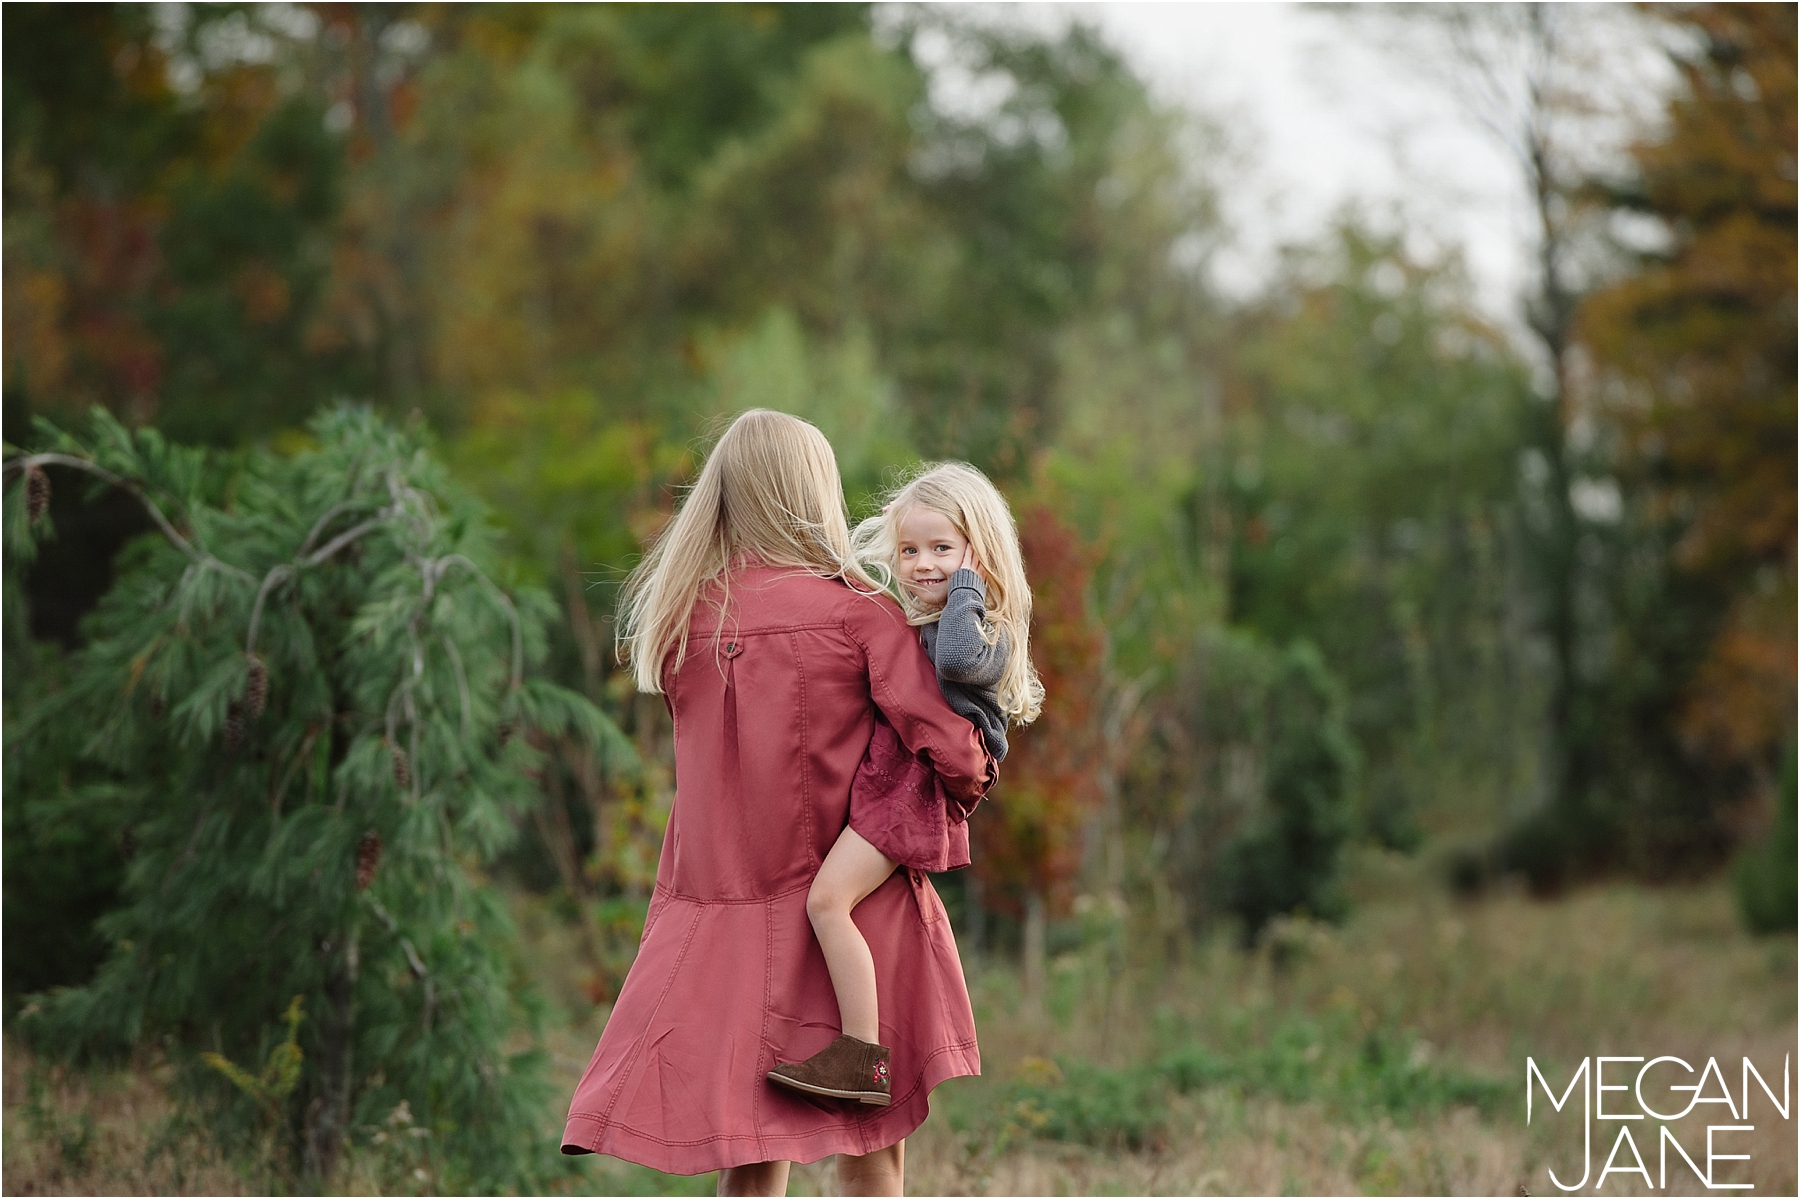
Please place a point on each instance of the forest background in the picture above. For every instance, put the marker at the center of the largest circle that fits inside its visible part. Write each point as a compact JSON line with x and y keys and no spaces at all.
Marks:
{"x":390,"y":333}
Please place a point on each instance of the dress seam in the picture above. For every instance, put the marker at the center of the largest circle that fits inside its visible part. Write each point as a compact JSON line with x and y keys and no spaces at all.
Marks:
{"x":632,"y":1062}
{"x":762,"y":1036}
{"x":739,"y":631}
{"x":686,"y":898}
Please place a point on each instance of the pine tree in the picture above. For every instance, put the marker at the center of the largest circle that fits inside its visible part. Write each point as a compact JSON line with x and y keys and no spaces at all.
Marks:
{"x":294,"y":702}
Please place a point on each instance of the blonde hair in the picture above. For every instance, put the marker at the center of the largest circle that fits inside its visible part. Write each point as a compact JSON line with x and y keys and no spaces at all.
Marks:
{"x":770,"y":488}
{"x":965,"y":497}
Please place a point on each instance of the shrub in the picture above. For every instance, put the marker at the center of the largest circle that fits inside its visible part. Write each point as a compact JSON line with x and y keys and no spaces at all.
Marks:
{"x":306,"y":708}
{"x":1093,"y":1105}
{"x":1287,"y":859}
{"x":1357,"y":1074}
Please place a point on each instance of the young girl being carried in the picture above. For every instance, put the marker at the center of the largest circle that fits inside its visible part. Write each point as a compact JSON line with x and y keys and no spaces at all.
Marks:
{"x":947,"y":539}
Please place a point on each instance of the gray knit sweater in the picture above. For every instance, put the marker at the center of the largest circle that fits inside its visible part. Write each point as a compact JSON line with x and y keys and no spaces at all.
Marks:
{"x":969,"y":670}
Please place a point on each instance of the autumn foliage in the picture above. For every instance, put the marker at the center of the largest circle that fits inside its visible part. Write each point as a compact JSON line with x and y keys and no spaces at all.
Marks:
{"x":1028,"y":839}
{"x":1697,"y":358}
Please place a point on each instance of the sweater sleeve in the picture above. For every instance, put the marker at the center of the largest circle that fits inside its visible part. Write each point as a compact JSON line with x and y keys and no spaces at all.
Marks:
{"x":905,"y":688}
{"x":963,"y":654}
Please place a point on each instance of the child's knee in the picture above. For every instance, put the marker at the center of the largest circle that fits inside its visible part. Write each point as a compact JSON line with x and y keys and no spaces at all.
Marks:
{"x":825,"y":902}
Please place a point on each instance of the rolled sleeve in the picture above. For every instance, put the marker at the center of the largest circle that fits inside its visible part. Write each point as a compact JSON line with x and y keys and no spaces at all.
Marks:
{"x":903,"y":684}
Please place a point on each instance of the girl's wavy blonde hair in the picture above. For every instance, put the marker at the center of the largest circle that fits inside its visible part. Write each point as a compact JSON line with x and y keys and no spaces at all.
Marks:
{"x":770,"y":488}
{"x":965,"y":497}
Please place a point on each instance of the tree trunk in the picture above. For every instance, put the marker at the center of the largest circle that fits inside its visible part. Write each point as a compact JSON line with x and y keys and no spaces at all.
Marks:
{"x":1552,"y":317}
{"x":977,"y":914}
{"x":327,"y":1121}
{"x":581,"y":623}
{"x":551,"y":815}
{"x":1035,"y":922}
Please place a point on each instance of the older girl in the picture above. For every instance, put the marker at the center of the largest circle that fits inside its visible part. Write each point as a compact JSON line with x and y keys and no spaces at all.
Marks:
{"x":774,"y":651}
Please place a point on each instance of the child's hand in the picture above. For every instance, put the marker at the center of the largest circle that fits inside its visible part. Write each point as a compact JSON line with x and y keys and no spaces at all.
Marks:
{"x":969,"y":561}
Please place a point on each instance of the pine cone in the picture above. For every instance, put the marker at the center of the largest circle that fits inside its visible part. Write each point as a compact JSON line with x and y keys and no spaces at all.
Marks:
{"x":368,"y":856}
{"x":235,"y":725}
{"x":402,"y":769}
{"x":37,"y":493}
{"x":256,"y":689}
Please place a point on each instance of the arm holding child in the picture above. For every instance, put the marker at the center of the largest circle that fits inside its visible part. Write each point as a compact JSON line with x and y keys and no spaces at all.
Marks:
{"x":964,"y":652}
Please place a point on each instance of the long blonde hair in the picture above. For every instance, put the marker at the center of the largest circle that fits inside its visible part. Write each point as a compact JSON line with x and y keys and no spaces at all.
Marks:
{"x":965,"y":497}
{"x":770,"y":487}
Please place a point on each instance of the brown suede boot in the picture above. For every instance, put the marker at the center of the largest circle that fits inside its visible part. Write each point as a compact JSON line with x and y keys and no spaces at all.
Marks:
{"x":845,"y":1069}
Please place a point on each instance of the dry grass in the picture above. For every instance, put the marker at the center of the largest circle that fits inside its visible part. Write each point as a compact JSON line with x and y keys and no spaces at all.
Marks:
{"x":72,"y":1132}
{"x":1612,"y":970}
{"x":1241,"y":1148}
{"x":1617,"y":970}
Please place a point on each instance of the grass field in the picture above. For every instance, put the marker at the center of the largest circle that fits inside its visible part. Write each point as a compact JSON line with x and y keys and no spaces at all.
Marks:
{"x":1384,"y":1056}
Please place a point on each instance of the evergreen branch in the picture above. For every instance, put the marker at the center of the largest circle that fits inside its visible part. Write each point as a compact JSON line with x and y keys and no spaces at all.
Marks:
{"x":345,"y":538}
{"x":429,"y":570}
{"x":415,"y":768}
{"x":276,"y":576}
{"x":286,"y":571}
{"x":400,"y":494}
{"x":136,"y":491}
{"x":505,"y":600}
{"x":462,"y":683}
{"x":343,"y":776}
{"x":312,"y":736}
{"x":187,"y":851}
{"x":319,"y":525}
{"x":406,"y":946}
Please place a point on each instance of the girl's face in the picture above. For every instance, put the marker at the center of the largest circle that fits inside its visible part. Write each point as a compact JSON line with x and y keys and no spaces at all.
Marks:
{"x":929,"y":549}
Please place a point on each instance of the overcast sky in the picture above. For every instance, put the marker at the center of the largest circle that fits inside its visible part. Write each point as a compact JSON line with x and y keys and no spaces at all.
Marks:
{"x":1327,"y":116}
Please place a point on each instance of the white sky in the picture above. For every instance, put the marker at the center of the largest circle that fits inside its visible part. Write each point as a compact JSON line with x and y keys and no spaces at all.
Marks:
{"x":1324,"y":117}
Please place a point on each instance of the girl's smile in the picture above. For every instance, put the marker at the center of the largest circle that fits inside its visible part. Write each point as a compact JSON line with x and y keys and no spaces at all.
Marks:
{"x":930,"y":550}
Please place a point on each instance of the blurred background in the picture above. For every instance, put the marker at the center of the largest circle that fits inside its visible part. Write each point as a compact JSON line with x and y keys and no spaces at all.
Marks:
{"x":1398,"y":406}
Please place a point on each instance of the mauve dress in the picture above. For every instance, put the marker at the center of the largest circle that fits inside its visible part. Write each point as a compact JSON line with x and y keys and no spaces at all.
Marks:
{"x":772,"y":720}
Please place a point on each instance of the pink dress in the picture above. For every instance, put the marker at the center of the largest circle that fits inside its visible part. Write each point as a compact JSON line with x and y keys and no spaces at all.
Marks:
{"x":898,"y":805}
{"x":772,"y":719}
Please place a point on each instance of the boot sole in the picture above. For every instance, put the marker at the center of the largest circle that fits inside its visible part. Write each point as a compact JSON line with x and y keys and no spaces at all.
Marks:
{"x":872,"y":1098}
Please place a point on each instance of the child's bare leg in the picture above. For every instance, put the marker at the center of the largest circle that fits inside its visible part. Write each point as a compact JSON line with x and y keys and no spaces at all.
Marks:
{"x":852,"y":869}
